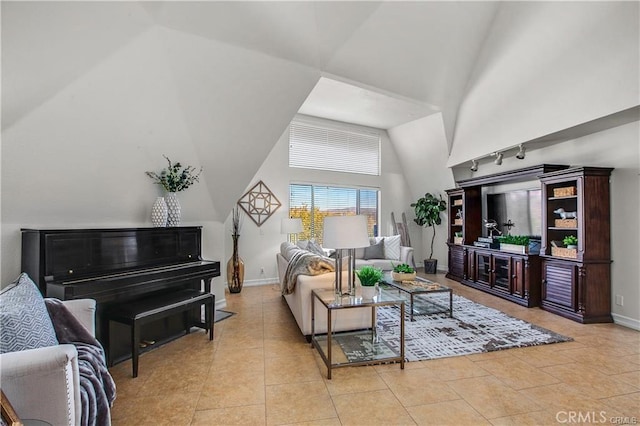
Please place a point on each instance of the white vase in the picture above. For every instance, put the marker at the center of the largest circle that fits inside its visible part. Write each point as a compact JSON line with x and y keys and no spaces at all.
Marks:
{"x":159,"y":213}
{"x":173,"y":209}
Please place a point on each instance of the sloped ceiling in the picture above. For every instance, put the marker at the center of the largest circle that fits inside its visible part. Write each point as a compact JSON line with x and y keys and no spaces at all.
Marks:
{"x":239,"y":72}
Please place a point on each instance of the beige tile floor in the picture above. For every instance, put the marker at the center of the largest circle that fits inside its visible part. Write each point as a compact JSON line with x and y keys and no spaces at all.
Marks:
{"x":259,"y":370}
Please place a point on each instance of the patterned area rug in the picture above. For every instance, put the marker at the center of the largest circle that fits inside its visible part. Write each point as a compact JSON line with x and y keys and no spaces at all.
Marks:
{"x":474,"y":328}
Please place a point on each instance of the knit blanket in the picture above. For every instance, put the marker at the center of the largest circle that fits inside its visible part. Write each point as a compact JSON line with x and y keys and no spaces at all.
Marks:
{"x":304,"y":263}
{"x":97,"y":388}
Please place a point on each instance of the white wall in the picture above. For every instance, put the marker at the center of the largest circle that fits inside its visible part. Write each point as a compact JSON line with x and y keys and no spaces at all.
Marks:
{"x":422,"y":148}
{"x":545,"y":67}
{"x":258,"y":245}
{"x":618,"y":148}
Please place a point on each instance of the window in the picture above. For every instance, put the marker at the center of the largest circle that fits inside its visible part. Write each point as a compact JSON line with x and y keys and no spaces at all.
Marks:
{"x":323,"y":148}
{"x":312,"y":203}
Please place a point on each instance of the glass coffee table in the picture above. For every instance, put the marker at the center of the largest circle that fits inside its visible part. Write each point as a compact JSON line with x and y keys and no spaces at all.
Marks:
{"x":421,"y":287}
{"x":359,"y":347}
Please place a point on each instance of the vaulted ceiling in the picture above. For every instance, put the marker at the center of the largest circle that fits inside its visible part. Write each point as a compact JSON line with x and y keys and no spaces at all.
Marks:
{"x":220,"y":81}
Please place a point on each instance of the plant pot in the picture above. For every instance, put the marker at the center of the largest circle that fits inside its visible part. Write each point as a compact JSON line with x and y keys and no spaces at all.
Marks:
{"x":400,"y":276}
{"x":368,"y":291}
{"x":514,"y":248}
{"x":430,"y":266}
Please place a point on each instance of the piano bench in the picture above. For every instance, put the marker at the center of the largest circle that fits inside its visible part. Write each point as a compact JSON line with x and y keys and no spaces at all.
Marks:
{"x":139,"y":312}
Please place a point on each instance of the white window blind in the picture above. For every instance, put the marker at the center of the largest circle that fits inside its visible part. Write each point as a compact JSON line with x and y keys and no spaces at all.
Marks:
{"x":312,"y":203}
{"x":322,"y":148}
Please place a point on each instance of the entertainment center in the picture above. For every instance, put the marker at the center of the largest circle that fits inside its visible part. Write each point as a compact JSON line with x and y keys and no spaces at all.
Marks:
{"x":551,"y":202}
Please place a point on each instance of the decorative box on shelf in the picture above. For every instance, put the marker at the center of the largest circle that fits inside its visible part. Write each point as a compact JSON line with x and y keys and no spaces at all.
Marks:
{"x":564,"y":192}
{"x":457,"y":240}
{"x":566,"y":223}
{"x":564,"y":252}
{"x":457,"y":221}
{"x":457,"y":202}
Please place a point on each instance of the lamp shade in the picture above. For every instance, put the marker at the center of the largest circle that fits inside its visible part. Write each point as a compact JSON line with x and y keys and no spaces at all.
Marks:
{"x":345,"y":232}
{"x":291,"y":225}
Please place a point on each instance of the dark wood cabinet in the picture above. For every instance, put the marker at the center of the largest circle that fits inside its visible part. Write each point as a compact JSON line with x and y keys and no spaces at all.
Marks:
{"x":510,"y":276}
{"x":577,"y":282}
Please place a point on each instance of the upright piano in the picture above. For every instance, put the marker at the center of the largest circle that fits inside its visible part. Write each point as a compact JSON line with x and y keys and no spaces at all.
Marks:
{"x":118,"y":265}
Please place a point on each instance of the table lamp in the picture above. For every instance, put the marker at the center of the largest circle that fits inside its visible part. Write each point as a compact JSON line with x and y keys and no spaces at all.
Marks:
{"x":291,"y":226}
{"x":345,"y":233}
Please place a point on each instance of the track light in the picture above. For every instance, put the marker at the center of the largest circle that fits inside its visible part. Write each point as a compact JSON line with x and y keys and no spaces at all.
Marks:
{"x":498,"y":159}
{"x":474,"y":166}
{"x":520,"y":154}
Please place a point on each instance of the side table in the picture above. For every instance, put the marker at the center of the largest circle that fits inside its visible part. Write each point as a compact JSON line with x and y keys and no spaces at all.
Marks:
{"x":372,"y":350}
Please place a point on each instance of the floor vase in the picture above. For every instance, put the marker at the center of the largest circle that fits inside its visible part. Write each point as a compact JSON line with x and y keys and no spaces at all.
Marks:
{"x":235,"y":269}
{"x":159,"y":213}
{"x":173,"y":209}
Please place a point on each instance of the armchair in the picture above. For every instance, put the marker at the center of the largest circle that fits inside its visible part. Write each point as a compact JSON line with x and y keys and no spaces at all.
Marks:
{"x":44,"y":383}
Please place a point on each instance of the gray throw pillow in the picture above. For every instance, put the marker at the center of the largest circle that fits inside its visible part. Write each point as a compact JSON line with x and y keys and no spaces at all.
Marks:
{"x":24,"y":319}
{"x":315,"y":248}
{"x":374,"y":251}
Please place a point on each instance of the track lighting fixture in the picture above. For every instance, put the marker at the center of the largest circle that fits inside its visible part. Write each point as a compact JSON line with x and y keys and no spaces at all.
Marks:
{"x":474,"y":166}
{"x":498,"y":159}
{"x":520,"y":154}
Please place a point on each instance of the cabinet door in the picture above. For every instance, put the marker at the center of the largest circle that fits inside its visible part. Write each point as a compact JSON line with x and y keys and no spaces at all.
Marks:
{"x":517,"y":276}
{"x":559,"y":284}
{"x":501,"y":272}
{"x":483,"y":268}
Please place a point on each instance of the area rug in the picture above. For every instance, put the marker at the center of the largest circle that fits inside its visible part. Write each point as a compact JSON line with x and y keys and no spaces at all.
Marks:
{"x":474,"y":328}
{"x":220,"y":315}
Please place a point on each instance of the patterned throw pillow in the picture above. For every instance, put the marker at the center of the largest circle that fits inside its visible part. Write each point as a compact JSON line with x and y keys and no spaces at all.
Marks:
{"x":315,"y":248}
{"x":392,"y":247}
{"x":24,"y":320}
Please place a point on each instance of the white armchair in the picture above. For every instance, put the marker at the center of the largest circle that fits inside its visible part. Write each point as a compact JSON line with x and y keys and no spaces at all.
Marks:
{"x":44,"y":383}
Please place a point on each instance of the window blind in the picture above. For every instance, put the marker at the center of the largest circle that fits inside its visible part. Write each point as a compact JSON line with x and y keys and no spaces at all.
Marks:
{"x":322,"y":148}
{"x":312,"y":203}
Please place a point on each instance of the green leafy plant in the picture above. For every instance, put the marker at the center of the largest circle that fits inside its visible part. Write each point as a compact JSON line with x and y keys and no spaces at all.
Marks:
{"x":457,"y":234}
{"x":570,"y":240}
{"x":519,"y":240}
{"x":427,"y":211}
{"x":402,"y":268}
{"x":369,"y":276}
{"x":175,"y":177}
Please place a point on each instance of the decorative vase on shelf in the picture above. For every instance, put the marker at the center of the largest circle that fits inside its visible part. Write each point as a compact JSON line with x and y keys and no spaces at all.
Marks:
{"x":159,"y":213}
{"x":235,"y":269}
{"x":173,"y":209}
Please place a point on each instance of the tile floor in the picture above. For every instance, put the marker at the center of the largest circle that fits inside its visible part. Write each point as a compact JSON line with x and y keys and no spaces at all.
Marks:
{"x":259,"y":370}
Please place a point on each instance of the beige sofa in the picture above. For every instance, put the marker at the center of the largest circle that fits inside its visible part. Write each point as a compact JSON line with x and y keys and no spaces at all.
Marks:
{"x":300,"y":300}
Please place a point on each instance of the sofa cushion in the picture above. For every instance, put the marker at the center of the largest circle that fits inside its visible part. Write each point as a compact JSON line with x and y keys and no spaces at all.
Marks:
{"x":24,"y":320}
{"x":392,"y":247}
{"x":315,"y":248}
{"x":374,"y":251}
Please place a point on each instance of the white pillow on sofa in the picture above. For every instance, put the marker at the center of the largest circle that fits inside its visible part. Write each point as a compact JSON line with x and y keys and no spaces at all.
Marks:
{"x":392,"y":247}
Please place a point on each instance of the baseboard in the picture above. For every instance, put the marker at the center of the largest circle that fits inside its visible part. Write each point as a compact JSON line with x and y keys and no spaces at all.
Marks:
{"x":261,"y":281}
{"x":626,"y":321}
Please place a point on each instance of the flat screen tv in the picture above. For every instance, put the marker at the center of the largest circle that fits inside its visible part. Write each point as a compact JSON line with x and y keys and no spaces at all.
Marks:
{"x":517,"y":212}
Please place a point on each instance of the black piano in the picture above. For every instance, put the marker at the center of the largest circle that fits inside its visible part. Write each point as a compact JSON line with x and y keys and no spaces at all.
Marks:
{"x":119,"y":265}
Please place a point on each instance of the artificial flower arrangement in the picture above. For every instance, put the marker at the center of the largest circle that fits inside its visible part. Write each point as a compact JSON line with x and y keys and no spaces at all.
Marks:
{"x":175,"y":178}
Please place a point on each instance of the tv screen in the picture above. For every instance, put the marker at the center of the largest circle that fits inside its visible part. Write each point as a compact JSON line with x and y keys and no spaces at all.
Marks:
{"x":517,"y":212}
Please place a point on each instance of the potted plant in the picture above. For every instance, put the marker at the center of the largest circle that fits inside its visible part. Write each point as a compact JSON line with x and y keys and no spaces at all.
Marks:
{"x":427,"y":211}
{"x":457,"y":238}
{"x":403,"y":272}
{"x":369,"y":276}
{"x":570,"y":241}
{"x":514,"y":243}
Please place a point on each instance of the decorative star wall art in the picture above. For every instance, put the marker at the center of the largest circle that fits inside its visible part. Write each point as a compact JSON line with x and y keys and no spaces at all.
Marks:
{"x":259,"y":203}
